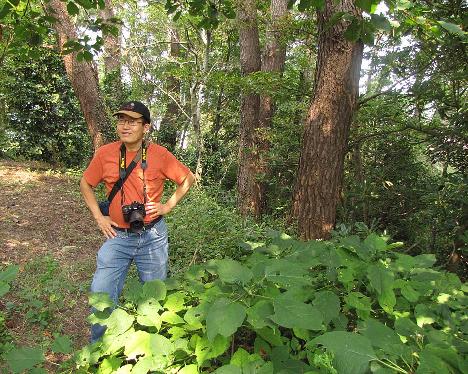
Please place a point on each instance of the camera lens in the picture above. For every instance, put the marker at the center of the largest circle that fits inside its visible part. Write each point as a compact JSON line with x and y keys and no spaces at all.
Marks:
{"x":136,"y":220}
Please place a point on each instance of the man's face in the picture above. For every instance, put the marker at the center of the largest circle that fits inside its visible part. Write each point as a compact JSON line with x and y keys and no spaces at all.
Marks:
{"x":130,"y":130}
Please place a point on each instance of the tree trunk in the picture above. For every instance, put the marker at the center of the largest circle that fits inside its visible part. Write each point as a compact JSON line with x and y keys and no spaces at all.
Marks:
{"x":324,"y":142}
{"x":112,"y":51}
{"x":83,"y":75}
{"x":217,"y":124}
{"x":197,"y":94}
{"x":170,"y":123}
{"x":248,"y":192}
{"x":112,"y":82}
{"x":272,"y":62}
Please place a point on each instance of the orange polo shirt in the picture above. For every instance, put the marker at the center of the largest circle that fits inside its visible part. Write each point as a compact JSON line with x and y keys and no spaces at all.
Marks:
{"x":162,"y":165}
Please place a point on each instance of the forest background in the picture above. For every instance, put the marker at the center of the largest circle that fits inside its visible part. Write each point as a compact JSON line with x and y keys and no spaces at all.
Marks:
{"x":320,"y":118}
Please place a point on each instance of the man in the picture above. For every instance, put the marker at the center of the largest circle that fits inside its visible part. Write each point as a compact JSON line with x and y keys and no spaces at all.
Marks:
{"x":143,"y":240}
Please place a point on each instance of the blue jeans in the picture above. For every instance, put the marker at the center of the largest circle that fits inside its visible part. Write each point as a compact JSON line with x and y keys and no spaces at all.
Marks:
{"x":149,"y":250}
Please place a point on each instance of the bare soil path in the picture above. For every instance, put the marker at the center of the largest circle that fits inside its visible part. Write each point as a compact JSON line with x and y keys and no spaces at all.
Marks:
{"x":47,"y":231}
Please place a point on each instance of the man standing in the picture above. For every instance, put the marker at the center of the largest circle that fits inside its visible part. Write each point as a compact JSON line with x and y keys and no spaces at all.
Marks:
{"x":135,"y":227}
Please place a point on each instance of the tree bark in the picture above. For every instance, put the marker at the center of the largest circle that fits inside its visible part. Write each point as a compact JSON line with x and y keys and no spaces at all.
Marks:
{"x":217,"y":124}
{"x":112,"y":52}
{"x":172,"y":117}
{"x":273,"y":60}
{"x":83,"y":75}
{"x":248,"y":192}
{"x":320,"y":172}
{"x":197,"y":94}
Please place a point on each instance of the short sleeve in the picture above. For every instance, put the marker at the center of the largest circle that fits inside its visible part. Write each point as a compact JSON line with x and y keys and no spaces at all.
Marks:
{"x":93,"y":173}
{"x":173,"y":169}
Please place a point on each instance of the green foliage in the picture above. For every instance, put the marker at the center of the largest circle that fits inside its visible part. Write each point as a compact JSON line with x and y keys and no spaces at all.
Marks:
{"x":43,"y":120}
{"x":6,"y":276}
{"x":24,"y":358}
{"x":275,"y":321}
{"x":203,"y":227}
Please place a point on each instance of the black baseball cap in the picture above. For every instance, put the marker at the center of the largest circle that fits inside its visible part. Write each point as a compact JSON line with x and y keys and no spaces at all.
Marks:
{"x":135,"y":109}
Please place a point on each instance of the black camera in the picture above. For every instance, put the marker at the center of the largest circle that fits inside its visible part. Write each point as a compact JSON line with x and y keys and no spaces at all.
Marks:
{"x":134,"y":214}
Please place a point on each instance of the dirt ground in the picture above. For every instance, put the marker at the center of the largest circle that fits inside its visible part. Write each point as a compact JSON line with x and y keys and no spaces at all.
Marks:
{"x":44,"y":223}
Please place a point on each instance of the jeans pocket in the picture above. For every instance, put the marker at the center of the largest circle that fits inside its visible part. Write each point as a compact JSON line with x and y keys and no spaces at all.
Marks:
{"x":160,"y":228}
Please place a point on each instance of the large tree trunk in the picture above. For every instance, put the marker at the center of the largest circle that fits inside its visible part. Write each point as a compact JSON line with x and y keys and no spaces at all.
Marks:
{"x":320,"y":172}
{"x":248,"y":193}
{"x":170,"y":123}
{"x":83,"y":75}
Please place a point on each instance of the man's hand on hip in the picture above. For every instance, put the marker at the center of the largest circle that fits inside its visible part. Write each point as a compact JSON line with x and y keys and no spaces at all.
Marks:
{"x":153,"y":210}
{"x":105,"y":225}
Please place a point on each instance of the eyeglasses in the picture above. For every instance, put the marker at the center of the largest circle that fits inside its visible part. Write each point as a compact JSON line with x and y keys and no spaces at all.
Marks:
{"x":130,"y":122}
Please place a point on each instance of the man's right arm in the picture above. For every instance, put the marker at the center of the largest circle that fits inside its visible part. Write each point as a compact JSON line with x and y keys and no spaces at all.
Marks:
{"x":104,"y":222}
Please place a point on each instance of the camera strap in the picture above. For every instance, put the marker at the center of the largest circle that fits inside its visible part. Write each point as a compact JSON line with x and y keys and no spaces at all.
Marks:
{"x":126,"y":172}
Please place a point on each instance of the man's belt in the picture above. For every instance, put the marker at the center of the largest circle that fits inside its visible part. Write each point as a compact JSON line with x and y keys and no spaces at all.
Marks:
{"x":145,"y":227}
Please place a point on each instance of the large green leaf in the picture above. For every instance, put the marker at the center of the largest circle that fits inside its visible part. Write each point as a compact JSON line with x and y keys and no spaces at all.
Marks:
{"x":189,"y":369}
{"x":381,"y":336}
{"x":258,"y":314}
{"x":404,"y":263}
{"x":424,"y":315}
{"x":381,"y":280}
{"x":175,"y":301}
{"x":409,"y":293}
{"x":118,"y":322}
{"x":206,"y":350}
{"x":355,"y":244}
{"x":62,"y":344}
{"x":375,"y":243}
{"x":426,"y":260}
{"x":435,"y":360}
{"x":250,"y":363}
{"x":100,"y":300}
{"x":196,"y":315}
{"x":228,"y":369}
{"x":295,"y":314}
{"x":109,"y":365}
{"x":271,"y":335}
{"x":286,"y":273}
{"x":365,"y":5}
{"x":9,"y":273}
{"x":360,"y":302}
{"x":149,"y":363}
{"x":231,"y":271}
{"x":154,"y":289}
{"x":148,"y":313}
{"x":137,"y":344}
{"x":21,"y":359}
{"x":352,"y":351}
{"x":328,"y":304}
{"x":381,"y":23}
{"x":284,"y":363}
{"x":452,"y":28}
{"x":224,"y":317}
{"x":172,"y":318}
{"x":4,"y":288}
{"x":405,"y":327}
{"x":126,"y":369}
{"x":160,"y":345}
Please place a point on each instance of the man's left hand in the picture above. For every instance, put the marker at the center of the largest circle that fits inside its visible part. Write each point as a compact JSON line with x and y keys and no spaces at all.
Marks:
{"x":156,"y":209}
